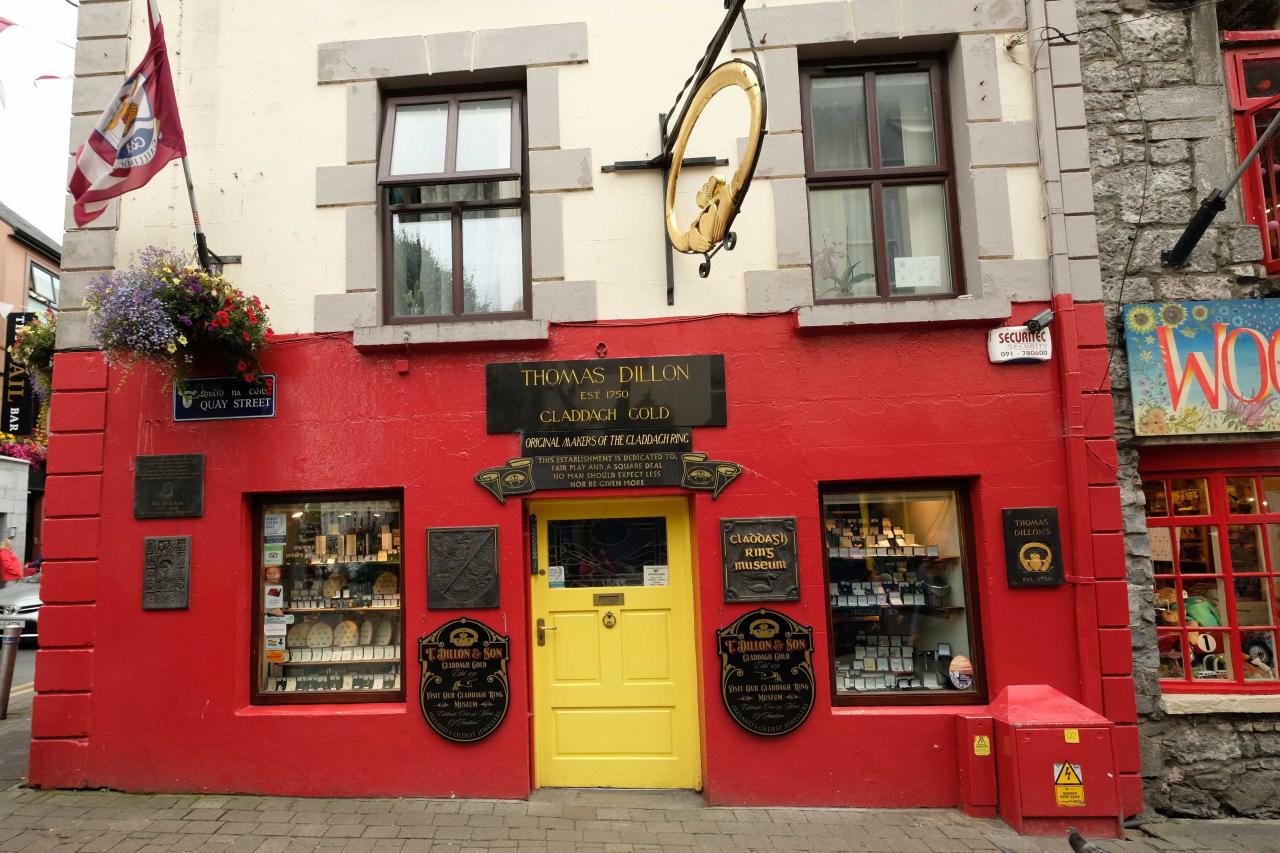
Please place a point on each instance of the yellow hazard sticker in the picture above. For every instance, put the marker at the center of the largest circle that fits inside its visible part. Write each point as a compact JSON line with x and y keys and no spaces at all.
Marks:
{"x":1068,"y":785}
{"x":1071,"y":735}
{"x":981,"y":745}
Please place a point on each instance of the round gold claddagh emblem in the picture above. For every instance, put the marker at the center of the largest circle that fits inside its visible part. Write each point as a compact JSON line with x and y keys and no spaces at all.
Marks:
{"x":1035,"y":557}
{"x":718,"y":200}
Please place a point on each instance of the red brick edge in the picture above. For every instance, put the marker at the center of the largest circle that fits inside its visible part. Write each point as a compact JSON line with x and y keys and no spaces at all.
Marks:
{"x":61,"y":719}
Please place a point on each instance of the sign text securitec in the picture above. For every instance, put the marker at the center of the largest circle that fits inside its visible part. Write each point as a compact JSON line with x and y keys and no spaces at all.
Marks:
{"x":1018,"y":345}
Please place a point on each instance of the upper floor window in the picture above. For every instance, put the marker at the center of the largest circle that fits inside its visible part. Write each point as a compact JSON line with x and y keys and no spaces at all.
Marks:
{"x":1215,"y":549}
{"x":881,"y":196}
{"x":43,"y":290}
{"x":454,"y":208}
{"x":1253,"y":82}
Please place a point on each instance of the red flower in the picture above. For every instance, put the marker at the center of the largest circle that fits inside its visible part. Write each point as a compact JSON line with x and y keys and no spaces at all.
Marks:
{"x":241,"y":366}
{"x":270,"y":333}
{"x":268,"y":383}
{"x":248,"y":377}
{"x":247,"y":338}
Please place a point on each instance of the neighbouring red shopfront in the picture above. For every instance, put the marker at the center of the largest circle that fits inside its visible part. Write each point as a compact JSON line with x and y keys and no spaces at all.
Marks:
{"x":860,"y":483}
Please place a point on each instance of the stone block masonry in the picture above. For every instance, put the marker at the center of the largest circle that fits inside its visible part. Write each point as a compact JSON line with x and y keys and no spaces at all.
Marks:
{"x":1158,"y":125}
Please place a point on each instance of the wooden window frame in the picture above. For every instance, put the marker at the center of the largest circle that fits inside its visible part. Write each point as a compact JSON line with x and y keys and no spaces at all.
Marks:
{"x":519,"y":171}
{"x":1219,"y":517}
{"x":1260,"y":179}
{"x":257,"y":696}
{"x":876,"y":178}
{"x":977,"y":695}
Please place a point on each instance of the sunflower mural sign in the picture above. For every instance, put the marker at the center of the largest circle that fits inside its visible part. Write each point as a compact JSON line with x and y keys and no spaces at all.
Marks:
{"x":1204,"y":367}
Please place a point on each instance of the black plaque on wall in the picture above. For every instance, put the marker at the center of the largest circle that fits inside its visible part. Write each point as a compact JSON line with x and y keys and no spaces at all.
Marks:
{"x":760,"y":559}
{"x":166,"y":573}
{"x":606,"y":393}
{"x":464,"y":691}
{"x":462,"y":568}
{"x":1033,"y":546}
{"x":168,"y":486}
{"x":766,"y":672}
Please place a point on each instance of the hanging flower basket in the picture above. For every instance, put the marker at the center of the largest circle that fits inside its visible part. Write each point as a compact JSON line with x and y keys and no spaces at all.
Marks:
{"x":163,"y":308}
{"x":33,"y":350}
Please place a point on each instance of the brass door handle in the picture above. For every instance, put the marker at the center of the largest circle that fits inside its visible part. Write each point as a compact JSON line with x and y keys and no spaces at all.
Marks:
{"x":609,"y":619}
{"x":543,"y":628}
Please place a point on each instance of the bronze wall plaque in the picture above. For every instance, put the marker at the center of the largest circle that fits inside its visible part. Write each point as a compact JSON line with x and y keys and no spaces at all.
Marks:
{"x":168,"y":486}
{"x":462,"y":568}
{"x":766,"y":672}
{"x":166,"y":573}
{"x":464,"y":692}
{"x":760,"y":561}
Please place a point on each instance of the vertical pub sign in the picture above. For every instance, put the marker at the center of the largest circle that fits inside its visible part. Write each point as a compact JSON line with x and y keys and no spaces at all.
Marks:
{"x":19,"y":397}
{"x":1033,"y":546}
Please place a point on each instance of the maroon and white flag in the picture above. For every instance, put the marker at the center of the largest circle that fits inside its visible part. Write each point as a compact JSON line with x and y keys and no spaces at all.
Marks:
{"x":136,"y":136}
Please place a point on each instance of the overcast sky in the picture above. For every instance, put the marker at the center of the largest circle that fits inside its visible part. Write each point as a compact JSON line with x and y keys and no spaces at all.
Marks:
{"x":35,"y":117}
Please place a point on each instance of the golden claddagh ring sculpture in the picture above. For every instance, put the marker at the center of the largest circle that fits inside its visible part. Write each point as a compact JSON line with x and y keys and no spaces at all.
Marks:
{"x":718,"y":201}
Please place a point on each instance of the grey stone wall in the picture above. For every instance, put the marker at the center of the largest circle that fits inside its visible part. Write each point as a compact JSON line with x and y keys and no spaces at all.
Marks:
{"x":13,"y":502}
{"x":1155,"y":100}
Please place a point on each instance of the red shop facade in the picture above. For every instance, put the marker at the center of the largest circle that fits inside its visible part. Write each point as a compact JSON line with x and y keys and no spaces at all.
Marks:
{"x":798,"y":586}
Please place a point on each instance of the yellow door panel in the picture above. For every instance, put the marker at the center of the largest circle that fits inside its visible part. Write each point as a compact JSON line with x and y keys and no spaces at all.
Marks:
{"x":576,"y":649}
{"x":615,"y":732}
{"x":646,"y":647}
{"x":614,"y":676}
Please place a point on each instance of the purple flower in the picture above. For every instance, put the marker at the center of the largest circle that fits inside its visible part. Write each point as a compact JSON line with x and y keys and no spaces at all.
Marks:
{"x":184,"y":320}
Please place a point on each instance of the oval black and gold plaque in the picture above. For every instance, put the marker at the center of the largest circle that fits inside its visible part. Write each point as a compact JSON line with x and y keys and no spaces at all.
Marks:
{"x":464,"y":692}
{"x":766,"y":672}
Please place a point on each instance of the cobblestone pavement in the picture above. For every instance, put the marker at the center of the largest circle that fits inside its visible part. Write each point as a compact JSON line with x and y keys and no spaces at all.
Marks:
{"x":574,"y":821}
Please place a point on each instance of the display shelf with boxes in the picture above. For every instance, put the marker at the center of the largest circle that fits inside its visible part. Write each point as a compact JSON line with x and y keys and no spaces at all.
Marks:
{"x":328,"y":600}
{"x":899,"y":604}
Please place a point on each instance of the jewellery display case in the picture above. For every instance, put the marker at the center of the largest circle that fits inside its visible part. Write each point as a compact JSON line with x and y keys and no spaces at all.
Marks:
{"x":898,"y":596}
{"x":328,"y":614}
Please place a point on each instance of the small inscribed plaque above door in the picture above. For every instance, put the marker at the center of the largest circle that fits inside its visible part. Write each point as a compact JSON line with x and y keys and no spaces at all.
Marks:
{"x":166,"y":573}
{"x":462,"y":568}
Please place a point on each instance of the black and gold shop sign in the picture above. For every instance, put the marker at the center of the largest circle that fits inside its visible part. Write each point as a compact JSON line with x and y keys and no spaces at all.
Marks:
{"x":526,"y":474}
{"x":606,"y":393}
{"x":760,"y":559}
{"x":766,"y":672}
{"x":1033,"y":546}
{"x":464,"y":692}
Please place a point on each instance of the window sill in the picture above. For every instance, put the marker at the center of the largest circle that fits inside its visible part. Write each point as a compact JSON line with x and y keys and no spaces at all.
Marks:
{"x":466,"y":331}
{"x":962,"y":309}
{"x":1221,"y":703}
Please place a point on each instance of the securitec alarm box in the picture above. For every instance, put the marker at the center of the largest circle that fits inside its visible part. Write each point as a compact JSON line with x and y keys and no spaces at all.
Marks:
{"x":1055,"y":765}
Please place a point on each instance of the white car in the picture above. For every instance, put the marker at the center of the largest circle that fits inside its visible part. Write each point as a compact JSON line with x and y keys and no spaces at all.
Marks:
{"x":22,"y":601}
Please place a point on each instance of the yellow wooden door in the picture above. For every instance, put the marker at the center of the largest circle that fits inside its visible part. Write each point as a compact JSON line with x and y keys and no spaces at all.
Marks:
{"x":614,"y":675}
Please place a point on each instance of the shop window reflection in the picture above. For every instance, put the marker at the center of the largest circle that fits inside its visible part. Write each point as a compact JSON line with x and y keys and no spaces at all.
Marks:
{"x":1190,"y":496}
{"x":1157,"y":501}
{"x":1242,"y":496}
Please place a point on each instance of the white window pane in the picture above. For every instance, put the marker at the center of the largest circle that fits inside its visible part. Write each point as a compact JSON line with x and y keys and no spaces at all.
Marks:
{"x":43,"y":283}
{"x":915,"y":221}
{"x":838,"y":113}
{"x":418,"y":143}
{"x":422,"y":264}
{"x":493,"y":261}
{"x":904,"y":111}
{"x":843,"y":246}
{"x":484,"y":135}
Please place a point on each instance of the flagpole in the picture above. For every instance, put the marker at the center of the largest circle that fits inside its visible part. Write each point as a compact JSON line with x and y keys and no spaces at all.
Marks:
{"x":202,"y":248}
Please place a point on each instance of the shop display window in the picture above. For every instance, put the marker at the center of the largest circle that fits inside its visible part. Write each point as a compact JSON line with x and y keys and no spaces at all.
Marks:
{"x":902,"y":618}
{"x":328,"y":620}
{"x":1216,"y":556}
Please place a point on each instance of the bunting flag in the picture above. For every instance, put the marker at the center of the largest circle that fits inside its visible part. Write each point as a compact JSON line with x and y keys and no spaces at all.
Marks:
{"x":137,"y":134}
{"x":5,"y":23}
